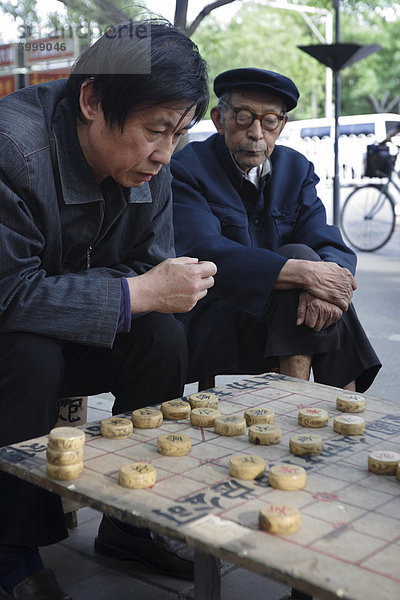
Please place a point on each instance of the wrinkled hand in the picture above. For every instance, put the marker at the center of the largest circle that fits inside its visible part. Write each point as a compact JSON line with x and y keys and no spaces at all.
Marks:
{"x":173,"y":286}
{"x":315,"y":313}
{"x":331,"y":283}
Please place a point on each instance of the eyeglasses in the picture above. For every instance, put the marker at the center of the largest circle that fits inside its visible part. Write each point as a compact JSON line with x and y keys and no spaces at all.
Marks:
{"x":244,"y":117}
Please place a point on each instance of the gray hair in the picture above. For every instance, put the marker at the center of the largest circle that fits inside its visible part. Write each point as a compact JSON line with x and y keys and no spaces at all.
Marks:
{"x":226,"y":97}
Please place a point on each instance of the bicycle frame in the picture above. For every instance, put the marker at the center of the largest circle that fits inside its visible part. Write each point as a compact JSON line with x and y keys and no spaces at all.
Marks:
{"x":389,"y":183}
{"x":368,"y":216}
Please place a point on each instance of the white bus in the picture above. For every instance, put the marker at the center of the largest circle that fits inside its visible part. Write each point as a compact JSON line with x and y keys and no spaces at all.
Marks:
{"x":315,"y":139}
{"x":376,"y":126}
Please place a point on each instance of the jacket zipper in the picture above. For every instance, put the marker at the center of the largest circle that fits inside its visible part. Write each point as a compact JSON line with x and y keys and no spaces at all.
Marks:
{"x":99,"y":238}
{"x":88,"y":255}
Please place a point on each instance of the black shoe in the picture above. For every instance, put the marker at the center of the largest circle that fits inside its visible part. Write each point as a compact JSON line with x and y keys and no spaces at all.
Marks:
{"x":39,"y":586}
{"x":161,"y":552}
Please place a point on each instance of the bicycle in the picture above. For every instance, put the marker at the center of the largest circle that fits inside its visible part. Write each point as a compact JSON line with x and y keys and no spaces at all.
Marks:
{"x":368,"y":216}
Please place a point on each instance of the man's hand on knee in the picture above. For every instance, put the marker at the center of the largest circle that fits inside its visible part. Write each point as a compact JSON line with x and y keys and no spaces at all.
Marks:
{"x":324,"y":280}
{"x":315,"y":313}
{"x":173,"y":286}
{"x":331,"y":283}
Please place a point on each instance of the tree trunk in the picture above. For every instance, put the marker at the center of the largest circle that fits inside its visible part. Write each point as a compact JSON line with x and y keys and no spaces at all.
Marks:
{"x":190,"y":29}
{"x":180,"y":17}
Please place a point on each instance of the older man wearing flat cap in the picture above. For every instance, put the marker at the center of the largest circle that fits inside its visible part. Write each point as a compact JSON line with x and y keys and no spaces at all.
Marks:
{"x":283,"y":293}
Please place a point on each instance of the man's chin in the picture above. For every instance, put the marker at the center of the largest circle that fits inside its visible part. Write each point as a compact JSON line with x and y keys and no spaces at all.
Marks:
{"x":249,"y":162}
{"x":250,"y":165}
{"x":130,"y":182}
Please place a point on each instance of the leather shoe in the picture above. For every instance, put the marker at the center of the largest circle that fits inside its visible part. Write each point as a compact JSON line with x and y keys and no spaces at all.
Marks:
{"x":42,"y":585}
{"x":161,"y":552}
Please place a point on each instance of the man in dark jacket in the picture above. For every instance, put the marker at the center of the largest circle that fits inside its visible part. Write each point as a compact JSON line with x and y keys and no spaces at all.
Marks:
{"x":88,"y":278}
{"x":282,"y":295}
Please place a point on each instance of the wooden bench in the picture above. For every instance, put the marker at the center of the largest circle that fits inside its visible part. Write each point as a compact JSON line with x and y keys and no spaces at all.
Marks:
{"x":73,"y":411}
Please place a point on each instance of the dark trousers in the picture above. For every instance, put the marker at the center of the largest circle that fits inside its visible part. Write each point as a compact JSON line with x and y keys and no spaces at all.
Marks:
{"x":340,"y":353}
{"x":146,"y":366}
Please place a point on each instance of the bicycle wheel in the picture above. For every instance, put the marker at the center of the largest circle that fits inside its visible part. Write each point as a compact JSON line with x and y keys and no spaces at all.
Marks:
{"x":368,"y":218}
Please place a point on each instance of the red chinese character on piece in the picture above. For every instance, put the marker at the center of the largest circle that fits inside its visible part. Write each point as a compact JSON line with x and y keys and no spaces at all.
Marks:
{"x":280,"y":509}
{"x":288,"y":469}
{"x":386,"y":455}
{"x":313,"y":411}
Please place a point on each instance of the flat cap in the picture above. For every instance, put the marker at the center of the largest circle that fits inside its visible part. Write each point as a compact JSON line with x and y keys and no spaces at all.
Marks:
{"x":258,"y":79}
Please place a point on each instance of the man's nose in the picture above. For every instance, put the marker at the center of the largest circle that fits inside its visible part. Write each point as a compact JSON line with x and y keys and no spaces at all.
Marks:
{"x":163,"y":152}
{"x":255,"y":131}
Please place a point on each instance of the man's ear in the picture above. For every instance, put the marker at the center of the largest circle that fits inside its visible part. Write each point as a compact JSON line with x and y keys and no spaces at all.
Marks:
{"x":215,"y":115}
{"x":88,"y":101}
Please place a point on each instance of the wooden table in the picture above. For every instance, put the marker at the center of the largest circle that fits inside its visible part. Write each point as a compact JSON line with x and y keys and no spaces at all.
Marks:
{"x":349,"y":542}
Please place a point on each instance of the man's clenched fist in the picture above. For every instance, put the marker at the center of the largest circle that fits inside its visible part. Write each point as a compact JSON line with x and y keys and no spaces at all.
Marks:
{"x":173,"y":286}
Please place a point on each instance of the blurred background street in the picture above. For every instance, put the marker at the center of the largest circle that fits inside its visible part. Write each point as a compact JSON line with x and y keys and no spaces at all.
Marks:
{"x":377,"y":301}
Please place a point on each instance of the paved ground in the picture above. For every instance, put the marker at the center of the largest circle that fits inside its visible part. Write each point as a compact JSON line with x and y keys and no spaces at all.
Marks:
{"x":377,"y":301}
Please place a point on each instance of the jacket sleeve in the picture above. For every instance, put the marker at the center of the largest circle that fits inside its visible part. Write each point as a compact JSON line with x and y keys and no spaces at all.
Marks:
{"x":80,"y":305}
{"x":246,"y":275}
{"x":69,"y":306}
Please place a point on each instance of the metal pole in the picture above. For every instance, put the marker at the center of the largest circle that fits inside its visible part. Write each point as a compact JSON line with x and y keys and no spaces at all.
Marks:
{"x":336,"y":179}
{"x":336,"y":182}
{"x":328,"y":70}
{"x":21,"y":77}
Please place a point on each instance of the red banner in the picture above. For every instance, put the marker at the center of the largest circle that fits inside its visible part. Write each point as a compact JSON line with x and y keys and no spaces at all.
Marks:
{"x":7,"y":55}
{"x":43,"y":76}
{"x":7,"y":85}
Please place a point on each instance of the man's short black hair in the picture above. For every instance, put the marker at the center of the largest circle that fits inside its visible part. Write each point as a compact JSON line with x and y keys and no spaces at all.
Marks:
{"x":176,"y":73}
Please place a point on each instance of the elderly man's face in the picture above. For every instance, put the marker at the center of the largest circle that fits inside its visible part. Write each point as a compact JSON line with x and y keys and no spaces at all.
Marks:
{"x":250,"y":145}
{"x":133,"y":156}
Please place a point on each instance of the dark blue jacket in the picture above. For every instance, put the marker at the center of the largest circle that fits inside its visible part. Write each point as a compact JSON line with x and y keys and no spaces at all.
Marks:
{"x":220,"y":216}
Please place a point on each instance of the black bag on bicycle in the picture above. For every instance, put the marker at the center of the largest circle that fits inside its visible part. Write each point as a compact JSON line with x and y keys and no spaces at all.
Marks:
{"x":379,"y":161}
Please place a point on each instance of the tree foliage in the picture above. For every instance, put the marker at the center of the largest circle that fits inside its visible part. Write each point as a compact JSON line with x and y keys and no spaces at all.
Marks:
{"x":373,"y":84}
{"x":263,"y":36}
{"x":269,"y":38}
{"x":23,"y":11}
